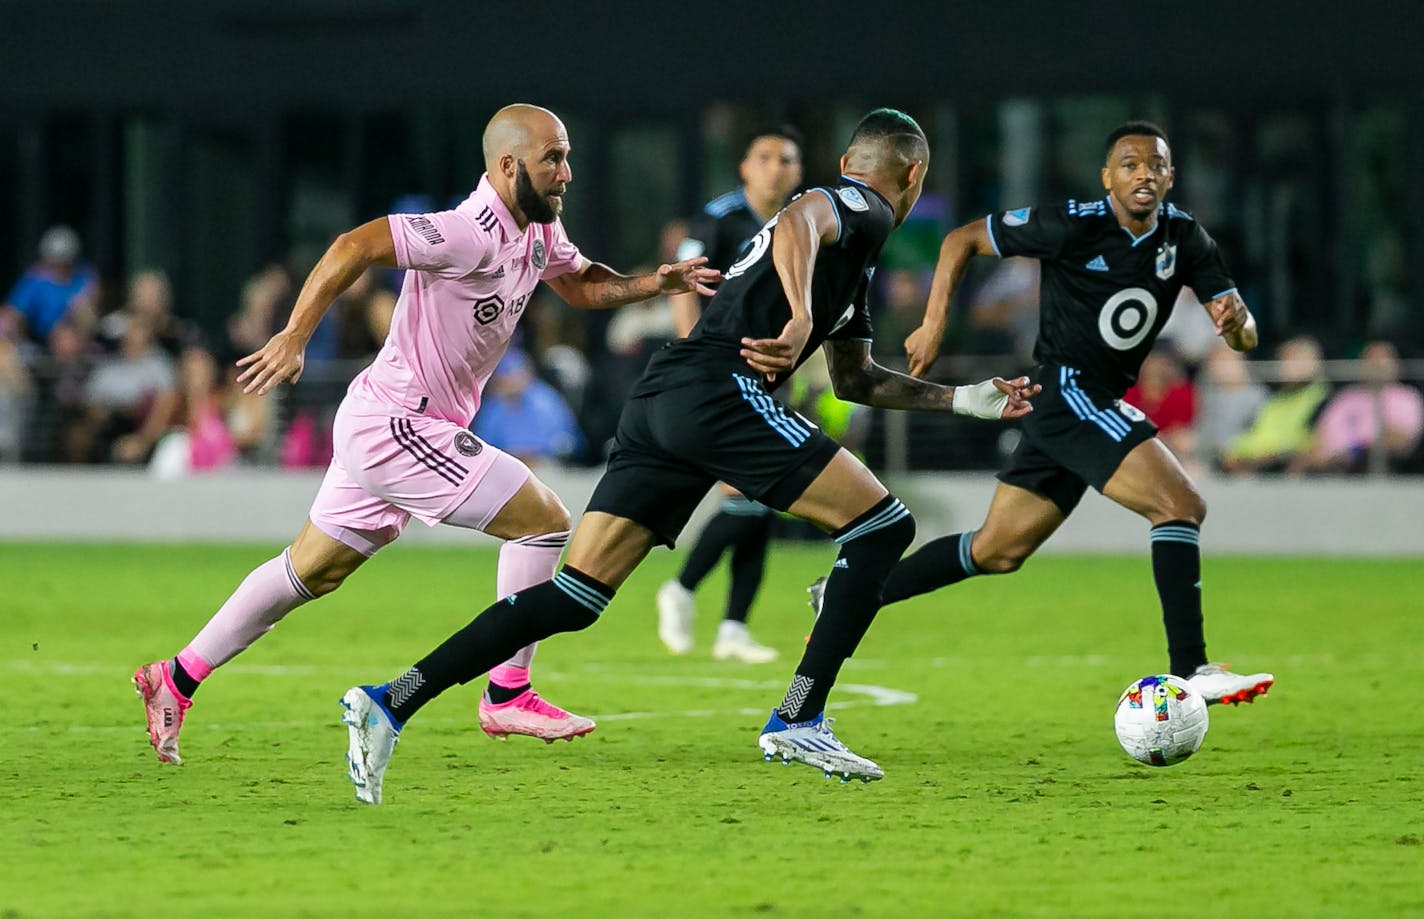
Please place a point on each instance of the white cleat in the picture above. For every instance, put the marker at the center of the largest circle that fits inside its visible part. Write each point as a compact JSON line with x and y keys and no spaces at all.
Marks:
{"x":373,"y":735}
{"x":1217,"y":685}
{"x":817,"y":590}
{"x":813,"y":743}
{"x":734,"y":642}
{"x":676,"y":609}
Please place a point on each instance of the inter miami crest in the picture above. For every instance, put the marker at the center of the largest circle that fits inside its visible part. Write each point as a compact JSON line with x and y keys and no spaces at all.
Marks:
{"x":1166,"y":261}
{"x":539,"y":257}
{"x":467,"y":444}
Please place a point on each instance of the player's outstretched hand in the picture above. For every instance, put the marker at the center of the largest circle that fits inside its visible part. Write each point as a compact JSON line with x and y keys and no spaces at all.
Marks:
{"x":1229,"y":313}
{"x":996,"y":398}
{"x":688,"y":276}
{"x":922,"y":348}
{"x":279,"y":361}
{"x":777,"y":356}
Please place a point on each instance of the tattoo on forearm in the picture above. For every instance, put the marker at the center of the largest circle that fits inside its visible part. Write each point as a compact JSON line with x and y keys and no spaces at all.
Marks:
{"x":859,"y":379}
{"x":619,"y":290}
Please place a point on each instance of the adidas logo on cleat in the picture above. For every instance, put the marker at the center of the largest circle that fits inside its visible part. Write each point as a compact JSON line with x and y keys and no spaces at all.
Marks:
{"x":841,"y":563}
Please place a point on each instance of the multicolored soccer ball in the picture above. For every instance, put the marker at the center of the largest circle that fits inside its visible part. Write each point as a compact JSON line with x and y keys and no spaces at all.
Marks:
{"x":1160,"y":720}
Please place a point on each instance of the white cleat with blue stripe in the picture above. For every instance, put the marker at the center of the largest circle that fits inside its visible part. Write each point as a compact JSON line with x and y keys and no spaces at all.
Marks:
{"x":373,"y":732}
{"x":813,"y":743}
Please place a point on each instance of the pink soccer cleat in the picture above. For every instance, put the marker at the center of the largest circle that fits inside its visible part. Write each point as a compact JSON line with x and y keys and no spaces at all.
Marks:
{"x":528,"y":714}
{"x":164,"y":706}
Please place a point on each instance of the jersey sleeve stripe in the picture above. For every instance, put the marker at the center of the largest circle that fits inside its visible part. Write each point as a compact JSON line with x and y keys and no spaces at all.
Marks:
{"x":832,"y":198}
{"x":989,"y":225}
{"x":1229,"y":290}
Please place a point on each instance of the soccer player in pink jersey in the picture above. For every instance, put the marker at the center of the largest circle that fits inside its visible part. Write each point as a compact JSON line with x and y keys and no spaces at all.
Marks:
{"x":402,"y":448}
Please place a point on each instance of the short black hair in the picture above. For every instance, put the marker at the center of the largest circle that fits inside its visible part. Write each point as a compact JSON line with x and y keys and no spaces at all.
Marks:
{"x":1133,"y":129}
{"x":780,"y":131}
{"x":892,"y":126}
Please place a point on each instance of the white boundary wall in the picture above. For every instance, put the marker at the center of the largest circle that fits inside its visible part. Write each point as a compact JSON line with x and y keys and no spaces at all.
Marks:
{"x":1259,"y":516}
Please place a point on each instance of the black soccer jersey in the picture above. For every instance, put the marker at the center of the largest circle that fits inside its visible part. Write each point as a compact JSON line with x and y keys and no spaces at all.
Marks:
{"x":750,"y":303}
{"x":1106,"y":294}
{"x":722,"y":230}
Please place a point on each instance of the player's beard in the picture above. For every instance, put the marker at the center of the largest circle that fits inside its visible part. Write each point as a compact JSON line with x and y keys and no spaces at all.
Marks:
{"x":538,"y":208}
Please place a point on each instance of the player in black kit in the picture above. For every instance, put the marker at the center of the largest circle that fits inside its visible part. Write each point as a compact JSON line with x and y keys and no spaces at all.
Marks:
{"x":704,"y":411}
{"x":1111,"y":269}
{"x":770,"y":171}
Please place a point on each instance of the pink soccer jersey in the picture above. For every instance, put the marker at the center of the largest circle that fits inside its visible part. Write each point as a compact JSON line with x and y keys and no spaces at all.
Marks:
{"x":470,"y":273}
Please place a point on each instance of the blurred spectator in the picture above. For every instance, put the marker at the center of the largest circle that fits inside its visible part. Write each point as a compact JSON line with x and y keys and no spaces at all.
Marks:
{"x":1284,"y":427}
{"x":906,"y":292}
{"x":1228,"y":399}
{"x":1350,"y":424}
{"x":524,"y":416}
{"x":364,"y":311}
{"x":202,"y":441}
{"x":15,"y":398}
{"x":63,"y":380}
{"x":131,"y":398}
{"x":266,"y":300}
{"x":1003,"y":314}
{"x":1165,"y":396}
{"x":56,"y":287}
{"x":1190,"y":329}
{"x":150,"y":300}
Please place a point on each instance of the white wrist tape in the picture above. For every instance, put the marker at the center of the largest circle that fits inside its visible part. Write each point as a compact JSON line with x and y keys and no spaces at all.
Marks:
{"x":980,"y":400}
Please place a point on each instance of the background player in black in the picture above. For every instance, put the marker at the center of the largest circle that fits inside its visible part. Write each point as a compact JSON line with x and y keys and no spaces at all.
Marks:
{"x":704,"y":412}
{"x":770,"y":172}
{"x":1112,"y":269}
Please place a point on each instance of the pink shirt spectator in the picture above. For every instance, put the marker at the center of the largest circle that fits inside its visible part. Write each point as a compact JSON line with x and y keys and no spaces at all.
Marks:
{"x":470,"y":274}
{"x":1350,"y":422}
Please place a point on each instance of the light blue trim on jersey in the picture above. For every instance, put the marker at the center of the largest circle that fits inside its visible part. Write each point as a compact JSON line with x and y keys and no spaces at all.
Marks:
{"x":834,"y":209}
{"x":741,"y":506}
{"x":892,"y":514}
{"x":581,"y":594}
{"x":846,"y":178}
{"x":993,"y":244}
{"x":1113,"y":424}
{"x":1229,"y":290}
{"x":768,"y":408}
{"x":966,"y":556}
{"x":724,"y":204}
{"x":1135,"y":239}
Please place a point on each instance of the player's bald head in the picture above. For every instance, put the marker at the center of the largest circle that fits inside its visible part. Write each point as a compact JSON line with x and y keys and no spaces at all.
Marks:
{"x":519,"y":130}
{"x":886,"y":140}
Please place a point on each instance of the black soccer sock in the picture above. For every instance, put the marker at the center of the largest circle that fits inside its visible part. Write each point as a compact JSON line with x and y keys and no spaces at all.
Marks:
{"x":569,"y":602}
{"x":1176,"y":566}
{"x":719,"y":533}
{"x":748,"y":564}
{"x":870,"y":546}
{"x":184,"y":683}
{"x":938,"y":563}
{"x":501,"y":694}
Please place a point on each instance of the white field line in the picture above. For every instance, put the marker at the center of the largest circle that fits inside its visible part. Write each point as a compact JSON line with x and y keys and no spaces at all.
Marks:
{"x":869,"y":694}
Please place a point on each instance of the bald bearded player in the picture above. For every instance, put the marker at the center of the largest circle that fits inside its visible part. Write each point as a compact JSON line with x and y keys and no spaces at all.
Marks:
{"x":402,"y":448}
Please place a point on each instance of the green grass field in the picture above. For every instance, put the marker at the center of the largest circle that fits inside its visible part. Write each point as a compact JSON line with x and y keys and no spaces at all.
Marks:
{"x":1005,"y":793}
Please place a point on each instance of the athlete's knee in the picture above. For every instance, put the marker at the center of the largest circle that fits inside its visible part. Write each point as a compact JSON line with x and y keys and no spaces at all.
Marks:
{"x":992,"y":556}
{"x":1184,"y":504}
{"x":548,"y":514}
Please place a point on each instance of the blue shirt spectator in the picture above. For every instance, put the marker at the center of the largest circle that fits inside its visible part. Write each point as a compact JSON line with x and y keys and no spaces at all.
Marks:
{"x":54,"y":285}
{"x":525,"y":416}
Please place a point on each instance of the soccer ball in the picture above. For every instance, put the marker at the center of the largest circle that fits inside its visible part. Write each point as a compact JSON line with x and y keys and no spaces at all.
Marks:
{"x":1160,"y":720}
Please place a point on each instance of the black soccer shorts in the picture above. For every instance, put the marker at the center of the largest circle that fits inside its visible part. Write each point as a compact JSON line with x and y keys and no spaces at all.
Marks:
{"x":674,"y":445}
{"x":1077,"y":435}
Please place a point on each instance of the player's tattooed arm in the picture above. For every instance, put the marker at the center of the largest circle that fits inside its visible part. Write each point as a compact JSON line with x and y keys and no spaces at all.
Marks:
{"x":595,"y":286}
{"x":1234,"y":322}
{"x":857,"y":378}
{"x":922,"y":346}
{"x":281,"y":360}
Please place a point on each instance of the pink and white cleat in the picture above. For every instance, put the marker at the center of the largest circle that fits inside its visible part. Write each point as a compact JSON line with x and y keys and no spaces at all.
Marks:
{"x":528,"y":714}
{"x":164,"y":706}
